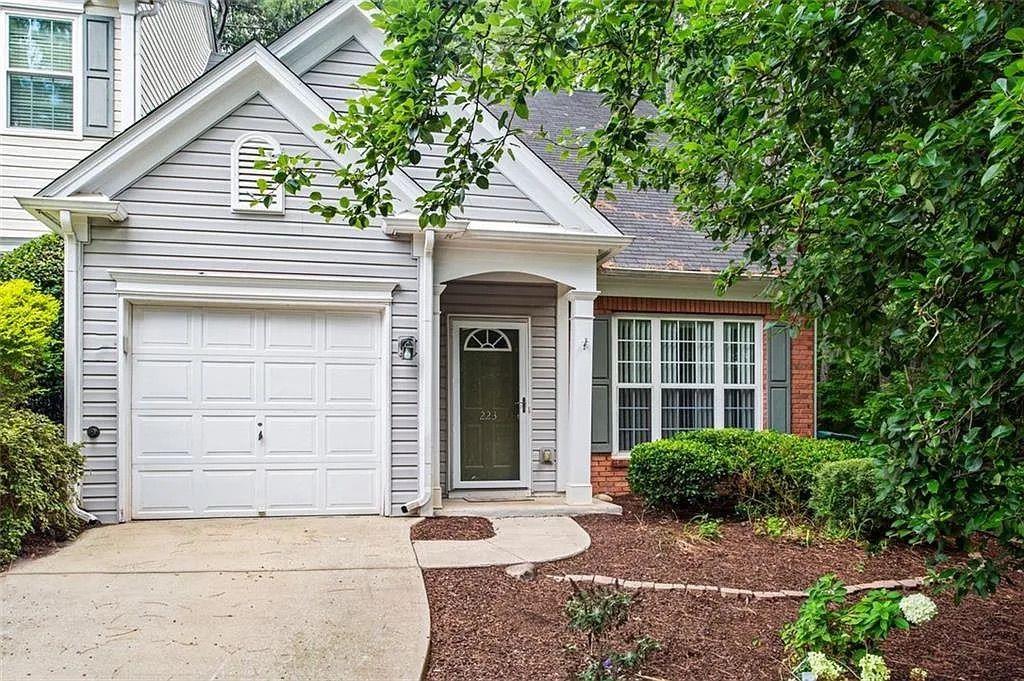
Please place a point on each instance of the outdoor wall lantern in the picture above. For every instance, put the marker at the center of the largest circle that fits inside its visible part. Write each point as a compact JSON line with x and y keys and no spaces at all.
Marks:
{"x":407,"y":346}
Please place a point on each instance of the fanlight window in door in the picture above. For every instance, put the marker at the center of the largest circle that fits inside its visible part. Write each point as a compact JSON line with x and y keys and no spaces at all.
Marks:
{"x":488,"y":340}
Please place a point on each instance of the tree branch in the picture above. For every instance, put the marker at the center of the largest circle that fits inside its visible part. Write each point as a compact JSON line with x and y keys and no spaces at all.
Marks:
{"x":914,"y":16}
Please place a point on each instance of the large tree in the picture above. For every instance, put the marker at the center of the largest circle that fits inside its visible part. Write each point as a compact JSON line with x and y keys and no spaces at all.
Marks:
{"x":867,"y":151}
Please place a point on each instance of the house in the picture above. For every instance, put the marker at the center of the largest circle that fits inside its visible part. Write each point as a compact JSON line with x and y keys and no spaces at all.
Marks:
{"x":78,"y":72}
{"x":226,"y":359}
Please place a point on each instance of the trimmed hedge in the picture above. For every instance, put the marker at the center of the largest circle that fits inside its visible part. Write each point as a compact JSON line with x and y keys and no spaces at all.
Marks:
{"x":761,"y":471}
{"x":38,"y":473}
{"x":847,"y":494}
{"x":676,"y":473}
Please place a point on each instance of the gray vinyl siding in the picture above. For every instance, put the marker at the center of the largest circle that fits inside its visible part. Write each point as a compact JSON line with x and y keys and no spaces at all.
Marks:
{"x":536,"y":301}
{"x":334,"y":79}
{"x":174,"y":48}
{"x":30,"y":162}
{"x":180,"y":219}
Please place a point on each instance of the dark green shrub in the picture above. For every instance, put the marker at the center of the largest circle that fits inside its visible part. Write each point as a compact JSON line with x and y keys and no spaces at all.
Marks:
{"x":41,"y":261}
{"x":38,"y":472}
{"x":773,"y":472}
{"x":847,"y":494}
{"x":677,"y":473}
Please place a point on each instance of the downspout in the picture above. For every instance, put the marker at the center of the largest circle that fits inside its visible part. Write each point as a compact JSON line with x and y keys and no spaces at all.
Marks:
{"x":72,"y":348}
{"x":426,"y":380}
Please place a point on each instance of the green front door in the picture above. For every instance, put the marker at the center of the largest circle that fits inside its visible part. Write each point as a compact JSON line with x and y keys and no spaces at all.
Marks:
{"x":490,"y":405}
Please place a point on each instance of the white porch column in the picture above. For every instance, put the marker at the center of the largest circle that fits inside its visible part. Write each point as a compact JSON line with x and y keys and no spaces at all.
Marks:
{"x":561,"y":384}
{"x":578,"y":489}
{"x":435,"y":397}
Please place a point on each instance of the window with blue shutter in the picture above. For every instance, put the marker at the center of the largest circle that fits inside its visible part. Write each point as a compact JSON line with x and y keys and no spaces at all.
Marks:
{"x":40,"y":82}
{"x":99,"y":76}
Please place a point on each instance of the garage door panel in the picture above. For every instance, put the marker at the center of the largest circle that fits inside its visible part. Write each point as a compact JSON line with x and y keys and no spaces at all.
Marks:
{"x":351,"y":437}
{"x":290,"y":382}
{"x":207,"y":382}
{"x":164,"y":492}
{"x":223,"y":329}
{"x":294,"y":436}
{"x":291,"y":331}
{"x":352,"y":334}
{"x":293,"y":489}
{"x":160,"y":380}
{"x":228,"y":381}
{"x":352,"y":490}
{"x":162,"y":328}
{"x":162,"y":438}
{"x":225,"y":436}
{"x":351,"y":384}
{"x":234,"y":491}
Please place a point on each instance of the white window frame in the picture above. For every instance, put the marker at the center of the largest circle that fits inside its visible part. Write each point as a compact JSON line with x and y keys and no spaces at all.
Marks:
{"x":243,"y":204}
{"x":77,"y":73}
{"x":656,"y":384}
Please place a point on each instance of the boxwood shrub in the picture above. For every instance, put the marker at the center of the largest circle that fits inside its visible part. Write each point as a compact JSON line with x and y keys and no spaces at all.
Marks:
{"x":754,"y":471}
{"x":677,"y":473}
{"x":38,"y":472}
{"x":773,"y":472}
{"x":848,"y":494}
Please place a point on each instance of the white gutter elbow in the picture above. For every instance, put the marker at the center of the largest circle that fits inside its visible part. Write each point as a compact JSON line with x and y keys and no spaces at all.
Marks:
{"x":426,"y":364}
{"x":154,"y":8}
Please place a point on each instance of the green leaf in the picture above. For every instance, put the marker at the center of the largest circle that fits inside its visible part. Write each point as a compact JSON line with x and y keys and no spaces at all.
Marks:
{"x":992,"y":171}
{"x":1016,"y":34}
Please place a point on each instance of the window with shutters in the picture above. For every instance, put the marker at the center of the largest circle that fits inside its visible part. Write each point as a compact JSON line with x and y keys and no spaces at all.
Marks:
{"x":677,"y":373}
{"x":252,"y":175}
{"x":40,"y":79}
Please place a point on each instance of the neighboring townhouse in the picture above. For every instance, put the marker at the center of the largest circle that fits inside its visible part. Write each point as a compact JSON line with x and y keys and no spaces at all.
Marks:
{"x":226,"y":359}
{"x":78,"y":72}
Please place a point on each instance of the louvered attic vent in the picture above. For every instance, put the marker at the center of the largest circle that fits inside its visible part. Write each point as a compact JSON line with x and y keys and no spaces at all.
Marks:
{"x":245,"y":177}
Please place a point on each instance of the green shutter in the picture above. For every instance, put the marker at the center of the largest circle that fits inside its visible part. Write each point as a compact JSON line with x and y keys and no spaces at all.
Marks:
{"x":99,"y":76}
{"x":601,"y":400}
{"x":779,"y":387}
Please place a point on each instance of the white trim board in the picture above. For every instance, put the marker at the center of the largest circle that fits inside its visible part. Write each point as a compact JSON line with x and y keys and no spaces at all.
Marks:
{"x":247,"y":73}
{"x":457,"y":323}
{"x":148,"y":288}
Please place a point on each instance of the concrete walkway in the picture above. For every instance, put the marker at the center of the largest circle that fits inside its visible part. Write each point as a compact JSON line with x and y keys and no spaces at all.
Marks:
{"x":515,"y":540}
{"x":302,"y":598}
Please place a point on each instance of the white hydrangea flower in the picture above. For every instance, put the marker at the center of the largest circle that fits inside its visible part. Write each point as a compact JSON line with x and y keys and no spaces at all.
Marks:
{"x":823,"y":668}
{"x":918,"y":608}
{"x":873,"y":668}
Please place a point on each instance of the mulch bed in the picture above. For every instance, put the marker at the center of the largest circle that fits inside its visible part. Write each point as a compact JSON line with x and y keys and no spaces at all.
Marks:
{"x":466,"y":529}
{"x":485,"y":624}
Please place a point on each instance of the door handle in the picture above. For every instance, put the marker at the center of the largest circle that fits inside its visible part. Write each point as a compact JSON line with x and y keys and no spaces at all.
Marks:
{"x":259,"y":436}
{"x":522,"y":405}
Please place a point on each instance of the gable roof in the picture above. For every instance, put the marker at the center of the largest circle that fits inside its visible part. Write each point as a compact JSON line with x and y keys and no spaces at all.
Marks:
{"x":664,"y":240}
{"x":250,"y":71}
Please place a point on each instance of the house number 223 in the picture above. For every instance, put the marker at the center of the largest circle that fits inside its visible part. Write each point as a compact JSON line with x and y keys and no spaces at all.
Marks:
{"x":488,"y":415}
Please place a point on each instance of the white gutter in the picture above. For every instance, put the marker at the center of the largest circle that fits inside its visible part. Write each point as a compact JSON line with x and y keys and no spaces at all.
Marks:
{"x":154,"y":8}
{"x":426,"y":380}
{"x":73,"y":348}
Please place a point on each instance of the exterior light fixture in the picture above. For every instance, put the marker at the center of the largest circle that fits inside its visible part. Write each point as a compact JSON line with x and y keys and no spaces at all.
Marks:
{"x":407,"y":346}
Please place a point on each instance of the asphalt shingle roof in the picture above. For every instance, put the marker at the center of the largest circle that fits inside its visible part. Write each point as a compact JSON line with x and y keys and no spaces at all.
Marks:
{"x":664,"y":239}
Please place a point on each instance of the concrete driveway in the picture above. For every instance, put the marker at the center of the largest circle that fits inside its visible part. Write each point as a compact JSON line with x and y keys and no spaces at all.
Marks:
{"x":282,"y":598}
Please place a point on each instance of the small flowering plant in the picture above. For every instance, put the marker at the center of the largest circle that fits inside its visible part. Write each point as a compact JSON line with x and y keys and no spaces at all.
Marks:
{"x":596,"y":613}
{"x":833,"y":636}
{"x":918,"y":608}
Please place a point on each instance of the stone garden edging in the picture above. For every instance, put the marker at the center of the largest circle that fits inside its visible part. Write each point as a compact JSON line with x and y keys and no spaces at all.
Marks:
{"x":602,"y":580}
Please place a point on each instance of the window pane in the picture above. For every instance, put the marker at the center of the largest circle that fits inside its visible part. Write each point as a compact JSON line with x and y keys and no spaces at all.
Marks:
{"x":738,"y":348}
{"x":39,"y":102}
{"x":634,"y":417}
{"x":634,"y":346}
{"x":42,"y":44}
{"x":739,"y":408}
{"x":687,"y":352}
{"x":686,"y":409}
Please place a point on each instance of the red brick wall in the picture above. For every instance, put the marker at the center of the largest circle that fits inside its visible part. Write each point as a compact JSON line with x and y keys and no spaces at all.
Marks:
{"x":608,"y":475}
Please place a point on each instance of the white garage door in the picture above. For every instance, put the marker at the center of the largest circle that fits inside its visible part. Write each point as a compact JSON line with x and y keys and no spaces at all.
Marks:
{"x":248,"y":412}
